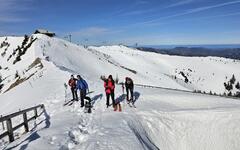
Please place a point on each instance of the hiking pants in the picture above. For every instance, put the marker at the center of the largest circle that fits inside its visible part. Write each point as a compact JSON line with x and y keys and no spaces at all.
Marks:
{"x":74,"y":93}
{"x":131,"y":93}
{"x":83,"y":94}
{"x":108,"y":95}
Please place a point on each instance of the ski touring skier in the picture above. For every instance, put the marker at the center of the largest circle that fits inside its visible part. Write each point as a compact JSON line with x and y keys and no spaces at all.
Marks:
{"x":82,"y":86}
{"x":73,"y":85}
{"x":129,"y":89}
{"x":109,"y":86}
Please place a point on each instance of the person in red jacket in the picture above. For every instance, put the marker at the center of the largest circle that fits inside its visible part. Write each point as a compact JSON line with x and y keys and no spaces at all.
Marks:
{"x":109,"y":85}
{"x":73,"y":85}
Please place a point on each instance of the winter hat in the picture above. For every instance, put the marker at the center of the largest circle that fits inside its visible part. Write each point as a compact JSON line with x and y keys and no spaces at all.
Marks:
{"x":78,"y":76}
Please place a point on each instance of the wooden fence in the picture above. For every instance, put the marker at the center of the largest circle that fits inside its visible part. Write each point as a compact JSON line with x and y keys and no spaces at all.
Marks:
{"x":186,"y":91}
{"x":171,"y":89}
{"x":8,"y":119}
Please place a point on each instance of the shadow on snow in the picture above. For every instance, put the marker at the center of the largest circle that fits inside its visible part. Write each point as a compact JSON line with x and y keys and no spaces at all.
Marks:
{"x":34,"y":134}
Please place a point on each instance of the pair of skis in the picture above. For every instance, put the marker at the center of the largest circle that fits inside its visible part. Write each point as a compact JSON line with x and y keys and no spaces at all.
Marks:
{"x":69,"y":103}
{"x":131,"y":104}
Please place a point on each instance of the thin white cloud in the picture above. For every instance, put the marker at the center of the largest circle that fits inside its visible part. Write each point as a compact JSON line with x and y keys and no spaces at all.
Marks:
{"x":131,"y":9}
{"x":180,"y":3}
{"x":213,"y":6}
{"x":94,"y":32}
{"x":10,"y":5}
{"x":11,"y":19}
{"x":9,"y":10}
{"x":140,"y":12}
{"x":191,"y":11}
{"x":200,"y":18}
{"x":218,"y":16}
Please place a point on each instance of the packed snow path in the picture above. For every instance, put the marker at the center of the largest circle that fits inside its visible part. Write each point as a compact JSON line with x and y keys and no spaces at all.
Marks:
{"x":163,"y":119}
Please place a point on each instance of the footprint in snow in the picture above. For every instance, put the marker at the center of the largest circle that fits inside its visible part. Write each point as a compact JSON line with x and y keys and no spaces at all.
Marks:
{"x":52,"y":140}
{"x":78,"y":136}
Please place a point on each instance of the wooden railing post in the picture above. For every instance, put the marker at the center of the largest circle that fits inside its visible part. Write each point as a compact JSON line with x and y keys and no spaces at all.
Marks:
{"x":10,"y":130}
{"x":25,"y":122}
{"x":3,"y":127}
{"x":35,"y":113}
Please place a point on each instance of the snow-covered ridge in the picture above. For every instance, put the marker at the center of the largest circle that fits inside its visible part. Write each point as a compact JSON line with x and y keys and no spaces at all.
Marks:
{"x":194,"y":73}
{"x":206,"y":74}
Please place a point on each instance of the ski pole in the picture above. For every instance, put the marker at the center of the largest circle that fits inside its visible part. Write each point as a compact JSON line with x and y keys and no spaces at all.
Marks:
{"x":124,"y":100}
{"x":65,"y":85}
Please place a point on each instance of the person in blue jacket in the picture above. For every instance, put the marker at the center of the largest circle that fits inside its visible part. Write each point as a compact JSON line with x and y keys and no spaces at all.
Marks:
{"x":82,"y":86}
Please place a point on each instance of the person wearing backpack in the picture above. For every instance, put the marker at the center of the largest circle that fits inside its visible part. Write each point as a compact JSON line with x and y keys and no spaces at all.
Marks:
{"x":82,"y":86}
{"x":129,"y":88}
{"x":109,"y":86}
{"x":73,"y":85}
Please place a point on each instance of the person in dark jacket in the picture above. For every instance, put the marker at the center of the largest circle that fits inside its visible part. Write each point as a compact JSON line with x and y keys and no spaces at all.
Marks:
{"x":109,"y":86}
{"x":73,"y":85}
{"x":129,"y":88}
{"x":82,"y":86}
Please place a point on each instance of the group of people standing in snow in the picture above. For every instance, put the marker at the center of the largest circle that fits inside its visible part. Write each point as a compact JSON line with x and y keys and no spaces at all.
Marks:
{"x":109,"y":85}
{"x":78,"y":84}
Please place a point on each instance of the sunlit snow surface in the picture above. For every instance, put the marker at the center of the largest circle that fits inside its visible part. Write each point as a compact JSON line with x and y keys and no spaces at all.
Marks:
{"x":163,"y":119}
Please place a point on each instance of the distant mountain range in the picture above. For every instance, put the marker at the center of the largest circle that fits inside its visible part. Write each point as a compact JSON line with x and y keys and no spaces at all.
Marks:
{"x":208,"y":46}
{"x":226,"y":52}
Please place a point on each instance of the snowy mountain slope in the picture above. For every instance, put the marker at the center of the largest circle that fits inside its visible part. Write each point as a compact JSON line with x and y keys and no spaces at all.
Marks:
{"x":203,"y":73}
{"x":163,"y":119}
{"x":18,"y":62}
{"x":94,"y":66}
{"x":43,"y":85}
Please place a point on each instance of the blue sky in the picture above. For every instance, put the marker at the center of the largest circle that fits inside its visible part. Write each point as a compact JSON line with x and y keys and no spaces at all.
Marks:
{"x":147,"y":22}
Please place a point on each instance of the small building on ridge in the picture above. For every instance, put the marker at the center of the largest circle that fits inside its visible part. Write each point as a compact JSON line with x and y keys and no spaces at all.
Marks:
{"x":46,"y":32}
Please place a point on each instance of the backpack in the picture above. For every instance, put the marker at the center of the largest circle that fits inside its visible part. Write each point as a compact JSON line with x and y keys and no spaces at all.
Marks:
{"x":84,"y":83}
